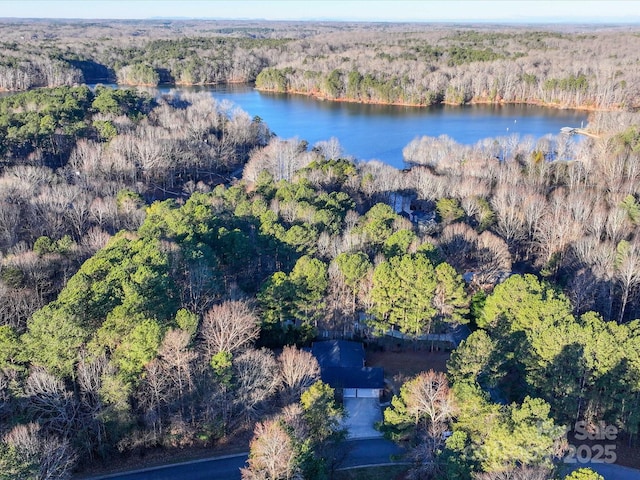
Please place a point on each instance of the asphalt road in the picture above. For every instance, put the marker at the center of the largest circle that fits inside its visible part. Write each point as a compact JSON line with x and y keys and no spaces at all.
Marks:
{"x":360,"y":453}
{"x":610,"y":471}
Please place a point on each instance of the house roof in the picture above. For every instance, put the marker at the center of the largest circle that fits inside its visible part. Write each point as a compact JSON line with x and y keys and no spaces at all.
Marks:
{"x":342,"y":365}
{"x":338,"y":353}
{"x":352,"y":377}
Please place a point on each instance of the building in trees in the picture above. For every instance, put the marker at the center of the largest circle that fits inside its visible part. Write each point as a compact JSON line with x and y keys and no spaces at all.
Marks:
{"x":342,"y":366}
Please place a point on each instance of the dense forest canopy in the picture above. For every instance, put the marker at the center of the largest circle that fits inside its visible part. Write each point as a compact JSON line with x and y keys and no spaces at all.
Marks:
{"x":161,"y":256}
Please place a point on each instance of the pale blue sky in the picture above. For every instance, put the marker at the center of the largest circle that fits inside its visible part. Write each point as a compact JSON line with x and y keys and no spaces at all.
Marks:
{"x":401,"y":10}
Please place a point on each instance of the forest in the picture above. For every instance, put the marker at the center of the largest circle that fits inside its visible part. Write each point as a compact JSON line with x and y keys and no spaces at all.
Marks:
{"x":407,"y":64}
{"x":165,"y":258}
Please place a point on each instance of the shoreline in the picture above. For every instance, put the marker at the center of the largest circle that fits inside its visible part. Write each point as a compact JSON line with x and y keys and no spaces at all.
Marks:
{"x":324,"y":98}
{"x":478,"y":101}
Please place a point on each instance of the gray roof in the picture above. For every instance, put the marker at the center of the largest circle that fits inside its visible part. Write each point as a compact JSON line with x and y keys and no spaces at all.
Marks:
{"x":352,"y":377}
{"x":338,"y":353}
{"x":342,"y":365}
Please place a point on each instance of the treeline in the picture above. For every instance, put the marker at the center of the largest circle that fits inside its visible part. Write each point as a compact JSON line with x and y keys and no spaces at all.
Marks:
{"x":398,"y":64}
{"x":22,"y":72}
{"x":469,"y":84}
{"x":202,"y":59}
{"x":461,"y":66}
{"x":193,"y":61}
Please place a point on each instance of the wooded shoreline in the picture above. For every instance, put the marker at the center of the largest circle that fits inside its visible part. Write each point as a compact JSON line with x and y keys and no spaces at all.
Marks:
{"x":321,"y":97}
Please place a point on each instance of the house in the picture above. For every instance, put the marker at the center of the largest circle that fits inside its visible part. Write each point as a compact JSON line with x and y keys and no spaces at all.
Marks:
{"x":422,"y":213}
{"x":342,"y":366}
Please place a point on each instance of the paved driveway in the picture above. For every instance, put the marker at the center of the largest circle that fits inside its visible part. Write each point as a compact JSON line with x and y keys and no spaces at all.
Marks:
{"x":362,"y":414}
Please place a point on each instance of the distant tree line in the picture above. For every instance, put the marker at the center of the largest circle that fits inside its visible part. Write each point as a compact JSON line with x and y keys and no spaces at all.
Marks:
{"x":421,"y":66}
{"x":457,"y":67}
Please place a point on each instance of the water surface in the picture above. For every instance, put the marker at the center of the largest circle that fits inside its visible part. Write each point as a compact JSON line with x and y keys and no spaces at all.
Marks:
{"x":380,"y":132}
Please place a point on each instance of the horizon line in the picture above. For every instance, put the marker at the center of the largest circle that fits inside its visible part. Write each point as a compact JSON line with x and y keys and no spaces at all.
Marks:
{"x":520,"y":21}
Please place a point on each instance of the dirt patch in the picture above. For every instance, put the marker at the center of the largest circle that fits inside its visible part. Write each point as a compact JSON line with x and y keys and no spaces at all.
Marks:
{"x":626,"y":455}
{"x":401,"y":365}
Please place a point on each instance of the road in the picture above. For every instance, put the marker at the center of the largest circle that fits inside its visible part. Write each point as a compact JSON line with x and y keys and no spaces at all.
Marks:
{"x":610,"y":471}
{"x":360,"y":452}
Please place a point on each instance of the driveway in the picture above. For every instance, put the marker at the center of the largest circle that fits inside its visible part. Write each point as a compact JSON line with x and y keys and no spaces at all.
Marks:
{"x":362,"y":414}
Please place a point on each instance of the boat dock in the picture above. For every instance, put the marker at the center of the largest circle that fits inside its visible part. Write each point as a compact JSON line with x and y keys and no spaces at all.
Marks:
{"x":577,"y":131}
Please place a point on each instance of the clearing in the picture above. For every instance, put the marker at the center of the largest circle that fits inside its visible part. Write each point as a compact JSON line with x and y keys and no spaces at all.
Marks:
{"x":400,"y":365}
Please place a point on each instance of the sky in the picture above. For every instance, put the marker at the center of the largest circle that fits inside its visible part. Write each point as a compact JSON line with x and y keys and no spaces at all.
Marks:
{"x":518,"y":11}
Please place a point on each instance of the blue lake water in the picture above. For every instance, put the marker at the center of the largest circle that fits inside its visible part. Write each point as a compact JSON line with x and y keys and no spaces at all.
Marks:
{"x":380,"y":132}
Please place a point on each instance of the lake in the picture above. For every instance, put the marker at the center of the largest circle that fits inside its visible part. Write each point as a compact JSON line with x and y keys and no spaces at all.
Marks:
{"x":380,"y":132}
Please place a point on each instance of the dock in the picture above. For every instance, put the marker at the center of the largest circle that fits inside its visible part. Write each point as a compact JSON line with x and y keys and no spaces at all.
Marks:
{"x":578,"y":131}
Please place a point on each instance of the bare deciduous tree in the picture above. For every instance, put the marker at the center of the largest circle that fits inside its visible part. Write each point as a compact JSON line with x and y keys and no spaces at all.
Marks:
{"x":493,"y":259}
{"x":458,"y":242}
{"x":299,"y":370}
{"x":92,"y":407}
{"x":255,"y":382}
{"x":511,"y":222}
{"x":17,"y":305}
{"x":50,"y":403}
{"x":428,"y":397}
{"x":86,"y":158}
{"x":177,"y":362}
{"x":281,"y":158}
{"x":330,"y":149}
{"x":229,"y":327}
{"x":54,"y":457}
{"x":153,"y":395}
{"x":10,"y":220}
{"x":94,"y":240}
{"x":627,"y":272}
{"x":271,"y":454}
{"x":428,"y":402}
{"x":556,"y":228}
{"x":519,"y":473}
